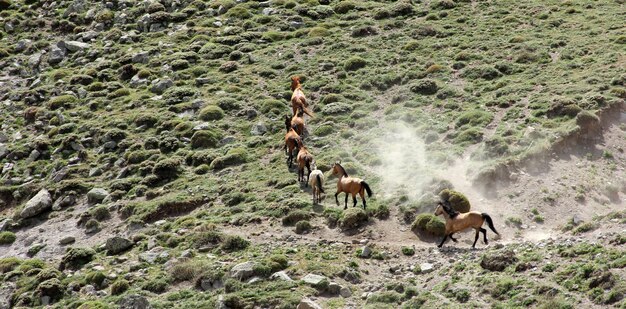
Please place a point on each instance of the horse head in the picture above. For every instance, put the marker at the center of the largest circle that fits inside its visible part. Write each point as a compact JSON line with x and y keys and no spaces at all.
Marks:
{"x":439,"y":209}
{"x":295,"y":82}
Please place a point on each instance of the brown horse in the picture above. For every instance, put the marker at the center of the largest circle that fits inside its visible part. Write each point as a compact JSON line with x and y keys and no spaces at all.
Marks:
{"x":350,"y":185}
{"x":290,"y":140}
{"x":298,"y":100}
{"x":456,"y":222}
{"x":305,"y":158}
{"x":297,"y":121}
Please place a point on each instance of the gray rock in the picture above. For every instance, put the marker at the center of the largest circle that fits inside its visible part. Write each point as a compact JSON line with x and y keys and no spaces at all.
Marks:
{"x":56,"y":55}
{"x":109,"y":145}
{"x":281,"y":275}
{"x":4,"y":224}
{"x":313,"y":279}
{"x":208,"y":284}
{"x":4,"y":151}
{"x":67,"y":240}
{"x":74,"y":46}
{"x":96,"y":195}
{"x":156,"y":255}
{"x":227,"y":140}
{"x":161,"y":85}
{"x":345,"y":292}
{"x":6,"y":291}
{"x":242,"y":271}
{"x":34,"y":155}
{"x":96,"y":171}
{"x":41,"y":202}
{"x":140,"y":57}
{"x":365,"y":252}
{"x":251,"y":113}
{"x":269,"y":11}
{"x":334,"y":288}
{"x":134,"y":302}
{"x":258,"y":129}
{"x":60,"y":174}
{"x":308,"y":304}
{"x":3,"y":137}
{"x":116,"y":245}
{"x":426,"y":268}
{"x":22,"y":45}
{"x":34,"y":60}
{"x":202,"y":81}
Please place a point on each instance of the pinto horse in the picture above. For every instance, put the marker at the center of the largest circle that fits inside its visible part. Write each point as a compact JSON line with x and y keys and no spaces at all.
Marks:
{"x":350,"y":185}
{"x":298,"y":100}
{"x":316,"y":181}
{"x":290,"y":140}
{"x":297,"y":121}
{"x":456,"y":222}
{"x":305,"y":158}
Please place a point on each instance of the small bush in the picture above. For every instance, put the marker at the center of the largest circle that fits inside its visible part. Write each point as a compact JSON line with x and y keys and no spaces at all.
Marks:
{"x":7,"y":238}
{"x":428,"y":223}
{"x":344,"y":7}
{"x":8,"y":264}
{"x":95,"y":278}
{"x":408,"y":251}
{"x":205,"y":138}
{"x":155,"y":286}
{"x":303,"y":227}
{"x":64,"y":101}
{"x":295,"y":216}
{"x":234,"y":156}
{"x":457,"y":200}
{"x":474,"y":118}
{"x":120,"y":286}
{"x":211,"y":112}
{"x":100,"y":213}
{"x":167,"y":168}
{"x":425,"y":87}
{"x":353,"y":218}
{"x":187,"y":270}
{"x":354,"y":63}
{"x":75,"y":258}
{"x":234,"y":243}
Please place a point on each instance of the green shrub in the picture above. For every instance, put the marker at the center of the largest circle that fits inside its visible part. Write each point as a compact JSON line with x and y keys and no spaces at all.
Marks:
{"x":202,"y":169}
{"x":167,"y":168}
{"x":64,"y":101}
{"x":234,"y":156}
{"x":296,"y":216}
{"x":211,"y":112}
{"x":8,"y":264}
{"x":7,"y":238}
{"x":303,"y":227}
{"x":100,"y":213}
{"x":428,"y":223}
{"x":232,"y":243}
{"x":353,"y":218}
{"x":120,"y":286}
{"x":205,"y":138}
{"x":318,"y":32}
{"x":425,"y":87}
{"x":457,"y":200}
{"x":75,"y":258}
{"x":474,"y":118}
{"x":187,"y":270}
{"x":354,"y":63}
{"x":344,"y":7}
{"x":155,"y":286}
{"x":95,"y":278}
{"x":408,"y":251}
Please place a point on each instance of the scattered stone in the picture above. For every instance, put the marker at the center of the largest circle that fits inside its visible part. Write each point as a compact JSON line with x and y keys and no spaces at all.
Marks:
{"x":141,"y":57}
{"x":134,"y":302}
{"x":366,"y":252}
{"x":345,"y":292}
{"x":426,"y":268}
{"x":67,"y":240}
{"x":258,"y":129}
{"x":281,"y":275}
{"x":209,"y":284}
{"x":96,"y":171}
{"x":96,"y":195}
{"x":60,"y":174}
{"x":36,"y":205}
{"x":308,"y":304}
{"x":74,"y":46}
{"x":6,"y":293}
{"x":313,"y":279}
{"x":116,"y":245}
{"x":156,"y":255}
{"x":334,"y":288}
{"x":159,"y":86}
{"x":242,"y":271}
{"x":4,"y":224}
{"x":56,"y":55}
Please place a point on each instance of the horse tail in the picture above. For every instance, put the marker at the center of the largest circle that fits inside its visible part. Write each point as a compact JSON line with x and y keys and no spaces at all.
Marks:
{"x":367,"y":188}
{"x":489,"y":222}
{"x":319,"y":183}
{"x":307,"y":111}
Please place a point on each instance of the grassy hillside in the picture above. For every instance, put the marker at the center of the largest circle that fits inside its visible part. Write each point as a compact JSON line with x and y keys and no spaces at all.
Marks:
{"x":176,"y":110}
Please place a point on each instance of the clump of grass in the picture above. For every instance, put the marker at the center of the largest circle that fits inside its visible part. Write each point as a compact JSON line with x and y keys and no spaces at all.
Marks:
{"x":429,"y":224}
{"x":119,"y":287}
{"x":408,"y":251}
{"x":352,"y":218}
{"x":303,"y":226}
{"x":296,"y":216}
{"x":425,"y":87}
{"x":205,"y":139}
{"x":232,"y":243}
{"x":7,"y":238}
{"x":456,"y":199}
{"x":211,"y":113}
{"x":354,"y":63}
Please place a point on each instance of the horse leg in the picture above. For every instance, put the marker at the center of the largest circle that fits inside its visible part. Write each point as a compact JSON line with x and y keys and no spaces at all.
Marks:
{"x":475,"y":239}
{"x":336,"y":199}
{"x":484,"y":235}
{"x":354,"y":200}
{"x":443,"y":240}
{"x":453,"y":239}
{"x":346,"y":203}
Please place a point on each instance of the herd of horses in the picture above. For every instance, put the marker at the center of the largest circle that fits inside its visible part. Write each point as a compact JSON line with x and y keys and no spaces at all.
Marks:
{"x":294,"y":148}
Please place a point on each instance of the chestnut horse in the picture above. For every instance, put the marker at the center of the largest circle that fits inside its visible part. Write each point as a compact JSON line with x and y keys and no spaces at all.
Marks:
{"x":350,"y":185}
{"x":290,"y":140}
{"x":316,"y":181}
{"x":305,"y":158}
{"x":298,"y":100}
{"x":456,"y":222}
{"x":297,"y":121}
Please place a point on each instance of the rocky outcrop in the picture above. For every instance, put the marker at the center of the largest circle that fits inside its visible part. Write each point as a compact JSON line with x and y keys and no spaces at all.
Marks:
{"x":41,"y":202}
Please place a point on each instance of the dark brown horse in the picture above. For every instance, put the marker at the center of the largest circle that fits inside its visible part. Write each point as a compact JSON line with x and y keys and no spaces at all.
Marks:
{"x":305,"y":159}
{"x":290,"y":140}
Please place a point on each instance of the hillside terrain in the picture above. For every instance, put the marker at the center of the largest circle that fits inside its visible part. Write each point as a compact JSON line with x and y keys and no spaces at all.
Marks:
{"x":141,"y":145}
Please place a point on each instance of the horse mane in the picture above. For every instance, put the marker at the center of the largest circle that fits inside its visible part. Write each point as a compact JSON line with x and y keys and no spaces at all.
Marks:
{"x":451,"y":212}
{"x":342,"y":169}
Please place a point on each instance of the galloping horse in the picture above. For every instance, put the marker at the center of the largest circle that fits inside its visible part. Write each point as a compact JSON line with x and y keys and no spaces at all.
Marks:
{"x":298,"y":100}
{"x":350,"y":185}
{"x":297,"y":121}
{"x":290,"y":140}
{"x":305,"y":158}
{"x":316,"y":181}
{"x":456,"y":221}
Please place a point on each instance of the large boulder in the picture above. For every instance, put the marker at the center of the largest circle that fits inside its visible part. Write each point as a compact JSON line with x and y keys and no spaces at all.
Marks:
{"x":134,"y":302}
{"x":96,"y":195}
{"x":308,"y":304}
{"x":242,"y":271}
{"x":116,"y":245}
{"x":74,"y":46}
{"x":41,"y":202}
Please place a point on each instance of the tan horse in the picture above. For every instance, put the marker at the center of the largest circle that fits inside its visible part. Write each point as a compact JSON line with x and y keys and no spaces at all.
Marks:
{"x":456,"y":222}
{"x":316,"y":181}
{"x":297,"y":121}
{"x":290,"y":140}
{"x":298,"y":100}
{"x":350,"y":185}
{"x":305,"y":158}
